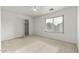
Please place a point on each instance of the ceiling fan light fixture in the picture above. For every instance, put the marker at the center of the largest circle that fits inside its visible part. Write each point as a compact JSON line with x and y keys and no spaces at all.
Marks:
{"x":35,"y":8}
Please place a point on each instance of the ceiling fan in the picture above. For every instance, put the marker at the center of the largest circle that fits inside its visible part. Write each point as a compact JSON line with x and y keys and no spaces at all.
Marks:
{"x":36,"y":8}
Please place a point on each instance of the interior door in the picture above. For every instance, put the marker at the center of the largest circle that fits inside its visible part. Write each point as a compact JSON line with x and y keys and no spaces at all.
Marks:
{"x":26,"y":27}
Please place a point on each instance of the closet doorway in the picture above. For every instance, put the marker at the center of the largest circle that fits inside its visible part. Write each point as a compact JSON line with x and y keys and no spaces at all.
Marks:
{"x":26,"y":25}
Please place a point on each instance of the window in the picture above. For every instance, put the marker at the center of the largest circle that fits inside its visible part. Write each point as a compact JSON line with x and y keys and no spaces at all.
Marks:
{"x":55,"y":24}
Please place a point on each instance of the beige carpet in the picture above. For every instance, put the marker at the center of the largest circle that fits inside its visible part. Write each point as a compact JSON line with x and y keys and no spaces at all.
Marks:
{"x":39,"y":47}
{"x":37,"y":44}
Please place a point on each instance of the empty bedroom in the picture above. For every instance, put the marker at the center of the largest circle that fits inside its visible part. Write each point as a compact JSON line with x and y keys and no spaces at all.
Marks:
{"x":39,"y":29}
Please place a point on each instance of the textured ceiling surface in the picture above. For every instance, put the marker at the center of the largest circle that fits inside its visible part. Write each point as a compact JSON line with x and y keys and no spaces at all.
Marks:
{"x":28,"y":10}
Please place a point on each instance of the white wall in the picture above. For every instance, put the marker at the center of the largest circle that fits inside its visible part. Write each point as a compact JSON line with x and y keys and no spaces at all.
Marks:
{"x":78,"y":29}
{"x":0,"y":23}
{"x":70,"y":25}
{"x":13,"y":25}
{"x":0,"y":28}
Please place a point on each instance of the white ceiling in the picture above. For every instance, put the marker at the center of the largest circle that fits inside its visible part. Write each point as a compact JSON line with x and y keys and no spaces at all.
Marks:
{"x":28,"y":10}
